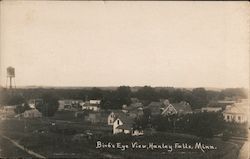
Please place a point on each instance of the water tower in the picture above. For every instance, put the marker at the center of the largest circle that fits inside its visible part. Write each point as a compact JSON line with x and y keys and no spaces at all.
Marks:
{"x":10,"y":77}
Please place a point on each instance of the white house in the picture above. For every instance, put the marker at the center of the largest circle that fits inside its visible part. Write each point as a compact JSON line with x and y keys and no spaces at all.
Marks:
{"x":33,"y":113}
{"x":93,"y":105}
{"x":124,"y":124}
{"x":95,"y":102}
{"x":236,"y":113}
{"x":90,"y":107}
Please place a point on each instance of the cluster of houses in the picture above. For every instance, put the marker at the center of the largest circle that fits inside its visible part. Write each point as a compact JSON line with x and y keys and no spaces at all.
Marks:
{"x":75,"y":105}
{"x":122,"y":120}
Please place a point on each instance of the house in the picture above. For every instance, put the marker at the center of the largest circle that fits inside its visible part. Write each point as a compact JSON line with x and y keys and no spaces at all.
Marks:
{"x":180,"y":108}
{"x":124,"y":124}
{"x":95,"y":102}
{"x":164,"y":107}
{"x":237,"y":112}
{"x":32,"y":113}
{"x":69,"y":104}
{"x":211,"y":109}
{"x":93,"y":105}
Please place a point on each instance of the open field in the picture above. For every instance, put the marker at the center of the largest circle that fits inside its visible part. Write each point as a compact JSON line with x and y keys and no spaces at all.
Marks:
{"x":8,"y":150}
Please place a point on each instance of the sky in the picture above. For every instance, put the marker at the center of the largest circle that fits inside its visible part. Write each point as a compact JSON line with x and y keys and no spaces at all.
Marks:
{"x":83,"y":43}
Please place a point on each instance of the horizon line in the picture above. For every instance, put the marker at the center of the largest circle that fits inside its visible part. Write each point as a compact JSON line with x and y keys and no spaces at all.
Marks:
{"x":114,"y":86}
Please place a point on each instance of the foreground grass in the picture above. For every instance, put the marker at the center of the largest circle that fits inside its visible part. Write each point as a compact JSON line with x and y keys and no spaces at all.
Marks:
{"x":53,"y":141}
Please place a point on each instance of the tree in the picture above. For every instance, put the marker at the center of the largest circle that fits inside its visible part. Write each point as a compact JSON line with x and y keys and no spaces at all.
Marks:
{"x":162,"y":123}
{"x":7,"y":97}
{"x":177,"y":96}
{"x":95,"y":93}
{"x":115,"y":99}
{"x":147,"y":93}
{"x":206,"y":124}
{"x":49,"y":105}
{"x":199,"y":98}
{"x":141,"y":122}
{"x":123,"y":94}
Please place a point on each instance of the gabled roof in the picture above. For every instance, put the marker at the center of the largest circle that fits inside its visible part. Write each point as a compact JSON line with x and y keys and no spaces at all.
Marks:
{"x":182,"y":107}
{"x":169,"y":110}
{"x":122,"y":116}
{"x":126,"y":120}
{"x":32,"y":111}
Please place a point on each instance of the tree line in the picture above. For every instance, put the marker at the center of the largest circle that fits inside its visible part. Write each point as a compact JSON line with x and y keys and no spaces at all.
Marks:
{"x":115,"y":98}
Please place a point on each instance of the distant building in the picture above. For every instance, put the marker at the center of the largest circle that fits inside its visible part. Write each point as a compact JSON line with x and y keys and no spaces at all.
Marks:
{"x":93,"y":105}
{"x":237,"y":112}
{"x":95,"y":102}
{"x":166,"y":108}
{"x":211,"y":109}
{"x":177,"y":108}
{"x":69,"y":104}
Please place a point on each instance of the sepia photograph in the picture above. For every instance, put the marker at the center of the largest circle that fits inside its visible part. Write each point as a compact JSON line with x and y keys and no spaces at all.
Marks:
{"x":124,"y":79}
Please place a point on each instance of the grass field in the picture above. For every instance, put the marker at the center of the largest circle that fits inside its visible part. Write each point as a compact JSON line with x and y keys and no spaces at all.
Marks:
{"x":78,"y":139}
